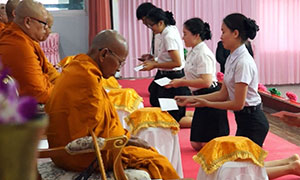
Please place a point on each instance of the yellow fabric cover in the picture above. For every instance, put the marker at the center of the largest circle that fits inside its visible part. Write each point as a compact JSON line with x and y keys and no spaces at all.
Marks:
{"x":151,"y":117}
{"x":79,"y":103}
{"x":27,"y":63}
{"x":229,"y":148}
{"x":126,"y":99}
{"x":111,"y":83}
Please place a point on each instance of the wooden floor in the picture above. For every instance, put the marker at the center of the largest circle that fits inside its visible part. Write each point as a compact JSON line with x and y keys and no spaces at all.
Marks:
{"x":281,"y":129}
{"x":291,"y":134}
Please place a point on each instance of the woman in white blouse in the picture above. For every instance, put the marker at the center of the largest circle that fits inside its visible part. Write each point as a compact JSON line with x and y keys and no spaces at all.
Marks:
{"x":239,"y":91}
{"x":170,"y":58}
{"x":200,"y":77}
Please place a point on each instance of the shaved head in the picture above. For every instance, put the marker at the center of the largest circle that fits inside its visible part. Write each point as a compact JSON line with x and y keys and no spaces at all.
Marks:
{"x":3,"y":17}
{"x":31,"y":8}
{"x":109,"y":50}
{"x":10,"y":9}
{"x":32,"y":16}
{"x":109,"y":39}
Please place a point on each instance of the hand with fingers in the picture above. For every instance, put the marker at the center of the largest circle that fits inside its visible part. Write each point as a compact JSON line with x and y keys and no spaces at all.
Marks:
{"x":136,"y":141}
{"x":175,"y":83}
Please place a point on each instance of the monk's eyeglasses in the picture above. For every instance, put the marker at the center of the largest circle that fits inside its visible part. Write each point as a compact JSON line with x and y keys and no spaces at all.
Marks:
{"x":42,"y":22}
{"x":120,"y":60}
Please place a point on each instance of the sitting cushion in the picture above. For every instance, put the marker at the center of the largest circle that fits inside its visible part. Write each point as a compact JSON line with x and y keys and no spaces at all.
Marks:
{"x":49,"y":171}
{"x":151,"y":117}
{"x":111,"y":83}
{"x":232,"y":170}
{"x":229,"y":148}
{"x":126,"y":99}
{"x":83,"y":145}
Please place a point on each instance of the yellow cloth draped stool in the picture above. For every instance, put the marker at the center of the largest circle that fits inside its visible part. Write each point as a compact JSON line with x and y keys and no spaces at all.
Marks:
{"x":111,"y":83}
{"x":231,"y":157}
{"x":125,"y":101}
{"x":160,"y":130}
{"x":151,"y":117}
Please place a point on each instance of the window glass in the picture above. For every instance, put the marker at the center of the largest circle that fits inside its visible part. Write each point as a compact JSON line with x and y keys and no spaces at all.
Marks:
{"x":54,"y":5}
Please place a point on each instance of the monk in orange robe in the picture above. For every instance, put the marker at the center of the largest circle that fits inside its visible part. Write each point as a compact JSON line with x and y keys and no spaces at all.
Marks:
{"x":79,"y":103}
{"x":22,"y":55}
{"x":3,"y":17}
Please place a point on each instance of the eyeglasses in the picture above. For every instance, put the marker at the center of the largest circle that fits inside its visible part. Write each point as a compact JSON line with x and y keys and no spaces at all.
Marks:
{"x":120,"y":60}
{"x":150,"y":25}
{"x":42,"y":22}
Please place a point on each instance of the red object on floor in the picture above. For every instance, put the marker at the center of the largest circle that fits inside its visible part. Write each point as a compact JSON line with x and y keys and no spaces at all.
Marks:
{"x":277,"y":147}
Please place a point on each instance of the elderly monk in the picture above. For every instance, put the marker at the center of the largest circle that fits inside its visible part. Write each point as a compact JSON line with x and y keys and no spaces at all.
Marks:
{"x":3,"y":17}
{"x":22,"y":55}
{"x":79,"y":103}
{"x":10,"y":9}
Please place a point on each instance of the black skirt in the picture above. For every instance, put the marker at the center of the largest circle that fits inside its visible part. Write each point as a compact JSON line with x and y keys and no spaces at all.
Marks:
{"x":252,"y":123}
{"x":156,"y":91}
{"x":208,"y":123}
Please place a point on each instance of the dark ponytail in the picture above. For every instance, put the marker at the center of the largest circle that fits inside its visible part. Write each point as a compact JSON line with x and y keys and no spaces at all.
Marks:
{"x":170,"y":17}
{"x":156,"y":14}
{"x":251,"y":27}
{"x":197,"y":26}
{"x":247,"y":27}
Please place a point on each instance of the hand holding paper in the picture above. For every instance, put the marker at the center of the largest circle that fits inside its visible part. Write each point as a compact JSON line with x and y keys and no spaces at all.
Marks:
{"x":138,"y":68}
{"x":167,"y":104}
{"x":163,"y":81}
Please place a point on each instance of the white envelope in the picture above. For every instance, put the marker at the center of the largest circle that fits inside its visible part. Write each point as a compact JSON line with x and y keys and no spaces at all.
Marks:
{"x":167,"y":104}
{"x":138,"y":68}
{"x":163,"y":81}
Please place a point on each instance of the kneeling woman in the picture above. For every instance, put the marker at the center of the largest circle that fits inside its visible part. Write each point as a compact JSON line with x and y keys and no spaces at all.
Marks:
{"x":200,"y":77}
{"x":239,"y":91}
{"x":170,"y":62}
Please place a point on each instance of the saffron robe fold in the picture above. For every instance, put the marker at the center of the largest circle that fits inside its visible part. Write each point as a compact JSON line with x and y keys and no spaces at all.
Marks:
{"x":79,"y":102}
{"x":2,"y":26}
{"x":27,"y":63}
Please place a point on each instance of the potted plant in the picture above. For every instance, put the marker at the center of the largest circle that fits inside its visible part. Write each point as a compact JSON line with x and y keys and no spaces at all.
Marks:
{"x":20,"y":129}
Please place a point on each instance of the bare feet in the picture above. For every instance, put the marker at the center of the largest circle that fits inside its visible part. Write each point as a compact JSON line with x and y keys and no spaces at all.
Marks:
{"x":296,"y":167}
{"x":293,"y":158}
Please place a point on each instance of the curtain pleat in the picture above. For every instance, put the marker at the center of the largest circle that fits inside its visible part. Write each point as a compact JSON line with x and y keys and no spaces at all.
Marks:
{"x":99,"y":17}
{"x":276,"y":47}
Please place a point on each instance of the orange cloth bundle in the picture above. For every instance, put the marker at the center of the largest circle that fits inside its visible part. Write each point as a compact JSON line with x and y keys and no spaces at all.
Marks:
{"x":151,"y":117}
{"x":111,"y":83}
{"x":229,"y":148}
{"x":126,"y":99}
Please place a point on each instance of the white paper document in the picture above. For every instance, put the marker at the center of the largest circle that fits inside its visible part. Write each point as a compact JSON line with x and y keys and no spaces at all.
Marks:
{"x":163,"y":81}
{"x":138,"y":68}
{"x":167,"y":104}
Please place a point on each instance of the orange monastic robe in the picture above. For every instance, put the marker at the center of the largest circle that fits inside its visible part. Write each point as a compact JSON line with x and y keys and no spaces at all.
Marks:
{"x":26,"y":63}
{"x":79,"y":102}
{"x":2,"y":26}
